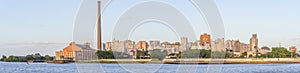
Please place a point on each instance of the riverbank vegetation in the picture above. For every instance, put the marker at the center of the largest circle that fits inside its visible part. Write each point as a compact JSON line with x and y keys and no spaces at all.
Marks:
{"x":153,"y":54}
{"x":277,"y":52}
{"x":158,"y":54}
{"x":35,"y":56}
{"x":112,"y":55}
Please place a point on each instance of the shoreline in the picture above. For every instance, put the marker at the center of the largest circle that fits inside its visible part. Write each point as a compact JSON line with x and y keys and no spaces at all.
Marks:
{"x":197,"y":61}
{"x":185,"y":61}
{"x":235,"y":61}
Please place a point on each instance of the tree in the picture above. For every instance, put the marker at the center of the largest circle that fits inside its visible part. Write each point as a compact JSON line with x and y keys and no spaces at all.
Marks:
{"x":219,"y":54}
{"x":263,"y":56}
{"x":250,"y":56}
{"x":291,"y":55}
{"x":11,"y":59}
{"x":177,"y":55}
{"x":157,"y":53}
{"x":193,"y":53}
{"x":280,"y":52}
{"x":228,"y":55}
{"x":140,"y":54}
{"x":47,"y":57}
{"x":29,"y":57}
{"x":37,"y":56}
{"x":112,"y":55}
{"x":105,"y":54}
{"x":244,"y":54}
{"x":3,"y":58}
{"x":205,"y":53}
{"x":199,"y":53}
{"x":120,"y":55}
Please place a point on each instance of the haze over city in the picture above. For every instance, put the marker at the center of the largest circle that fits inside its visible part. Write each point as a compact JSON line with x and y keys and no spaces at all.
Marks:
{"x":37,"y":26}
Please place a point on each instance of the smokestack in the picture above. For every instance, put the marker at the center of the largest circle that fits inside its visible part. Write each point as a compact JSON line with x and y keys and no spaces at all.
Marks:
{"x":99,"y":42}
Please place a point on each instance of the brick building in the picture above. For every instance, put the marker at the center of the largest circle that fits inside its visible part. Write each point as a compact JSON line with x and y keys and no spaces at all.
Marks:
{"x":76,"y":52}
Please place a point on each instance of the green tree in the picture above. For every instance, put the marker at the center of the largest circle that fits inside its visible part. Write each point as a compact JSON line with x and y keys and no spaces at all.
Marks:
{"x":263,"y":56}
{"x":228,"y":55}
{"x":198,"y":53}
{"x":244,"y":54}
{"x":157,"y":53}
{"x":205,"y":53}
{"x":250,"y":56}
{"x":11,"y":59}
{"x":29,"y":57}
{"x":121,"y":55}
{"x":37,"y":56}
{"x":280,"y":52}
{"x":47,"y":57}
{"x":177,"y":55}
{"x":193,"y":53}
{"x":291,"y":55}
{"x":140,"y":54}
{"x":219,"y":54}
{"x":3,"y":58}
{"x":105,"y":54}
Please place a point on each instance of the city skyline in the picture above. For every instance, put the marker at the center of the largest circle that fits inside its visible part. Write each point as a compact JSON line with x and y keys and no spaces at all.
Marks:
{"x":239,"y":22}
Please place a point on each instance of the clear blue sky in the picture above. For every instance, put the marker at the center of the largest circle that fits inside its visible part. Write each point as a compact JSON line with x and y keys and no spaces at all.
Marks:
{"x":45,"y":26}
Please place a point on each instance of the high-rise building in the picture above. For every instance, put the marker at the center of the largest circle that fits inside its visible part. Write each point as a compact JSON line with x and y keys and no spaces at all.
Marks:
{"x":254,"y":43}
{"x":129,"y":45}
{"x":205,"y":39}
{"x":184,"y":43}
{"x":99,"y":41}
{"x":108,"y":46}
{"x":142,"y":45}
{"x":171,"y":47}
{"x":184,"y":40}
{"x":118,"y":46}
{"x":218,"y":45}
{"x":236,"y":46}
{"x":244,"y":47}
{"x":153,"y":44}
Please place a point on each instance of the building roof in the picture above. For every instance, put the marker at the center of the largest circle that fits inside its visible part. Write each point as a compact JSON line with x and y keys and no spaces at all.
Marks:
{"x":83,"y":46}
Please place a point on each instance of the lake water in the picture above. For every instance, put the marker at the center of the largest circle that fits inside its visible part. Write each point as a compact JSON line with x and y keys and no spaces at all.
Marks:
{"x":147,"y":68}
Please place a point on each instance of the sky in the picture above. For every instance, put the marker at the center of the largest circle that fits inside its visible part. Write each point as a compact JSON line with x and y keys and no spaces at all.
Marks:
{"x":46,"y":26}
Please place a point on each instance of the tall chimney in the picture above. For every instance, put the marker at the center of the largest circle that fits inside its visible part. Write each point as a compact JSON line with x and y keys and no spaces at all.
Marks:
{"x":99,"y":42}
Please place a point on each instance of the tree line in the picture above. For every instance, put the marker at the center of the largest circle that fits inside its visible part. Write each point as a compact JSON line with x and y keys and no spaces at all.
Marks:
{"x":277,"y":52}
{"x":35,"y":56}
{"x":156,"y":53}
{"x":111,"y":55}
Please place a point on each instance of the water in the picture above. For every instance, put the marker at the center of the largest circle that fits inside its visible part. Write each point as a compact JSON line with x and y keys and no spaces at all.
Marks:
{"x":146,"y":68}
